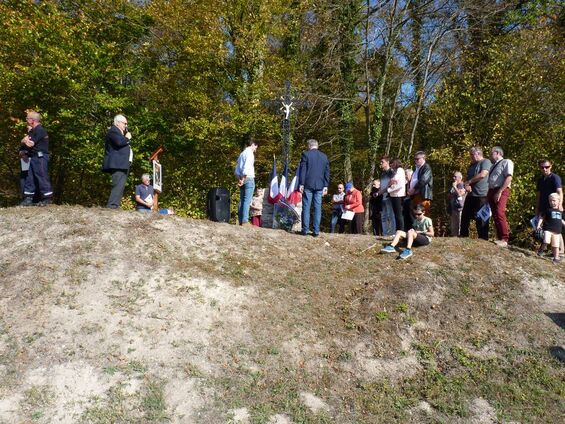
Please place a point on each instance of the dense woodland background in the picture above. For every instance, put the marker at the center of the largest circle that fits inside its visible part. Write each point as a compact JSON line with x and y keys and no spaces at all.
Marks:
{"x":201,"y":77}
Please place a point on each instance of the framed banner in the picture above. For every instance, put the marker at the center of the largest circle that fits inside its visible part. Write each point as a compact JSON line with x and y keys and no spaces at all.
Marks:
{"x":157,"y":176}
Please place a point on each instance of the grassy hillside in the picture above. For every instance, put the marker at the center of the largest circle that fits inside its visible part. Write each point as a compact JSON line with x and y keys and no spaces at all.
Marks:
{"x":115,"y":317}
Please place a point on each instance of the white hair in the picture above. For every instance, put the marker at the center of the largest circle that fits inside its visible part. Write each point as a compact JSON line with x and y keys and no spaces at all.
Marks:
{"x":312,"y":144}
{"x":146,"y":176}
{"x":119,"y":118}
{"x":34,"y":115}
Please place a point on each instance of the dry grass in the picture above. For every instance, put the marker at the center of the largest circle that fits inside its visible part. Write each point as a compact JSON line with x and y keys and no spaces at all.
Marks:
{"x":120,"y":317}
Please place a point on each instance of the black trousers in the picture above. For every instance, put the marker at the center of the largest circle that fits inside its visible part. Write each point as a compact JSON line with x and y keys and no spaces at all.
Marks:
{"x":119,"y":179}
{"x":470,"y":208}
{"x":376,"y":220}
{"x":397,"y":209}
{"x":407,"y":214}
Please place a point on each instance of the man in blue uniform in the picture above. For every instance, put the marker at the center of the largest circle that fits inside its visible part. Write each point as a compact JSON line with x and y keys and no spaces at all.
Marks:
{"x":35,"y":145}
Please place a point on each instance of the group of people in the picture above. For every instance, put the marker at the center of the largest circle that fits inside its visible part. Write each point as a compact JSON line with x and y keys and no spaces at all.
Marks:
{"x":34,"y":155}
{"x":485,"y":192}
{"x":400,"y":199}
{"x":392,"y":199}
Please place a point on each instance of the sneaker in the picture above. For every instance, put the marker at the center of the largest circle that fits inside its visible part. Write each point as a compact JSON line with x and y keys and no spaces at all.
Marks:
{"x":388,"y":249}
{"x":405,"y":254}
{"x":315,"y":234}
{"x":501,"y":243}
{"x":557,"y":260}
{"x":541,"y":253}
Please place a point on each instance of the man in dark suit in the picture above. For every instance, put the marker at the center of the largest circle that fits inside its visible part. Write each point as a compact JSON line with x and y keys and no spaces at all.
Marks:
{"x":314,"y":175}
{"x":117,"y":159}
{"x":422,"y":184}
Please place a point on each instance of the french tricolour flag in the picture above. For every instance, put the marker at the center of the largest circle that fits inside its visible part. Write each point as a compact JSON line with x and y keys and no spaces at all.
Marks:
{"x":274,"y":194}
{"x":284,"y":181}
{"x":293,"y":195}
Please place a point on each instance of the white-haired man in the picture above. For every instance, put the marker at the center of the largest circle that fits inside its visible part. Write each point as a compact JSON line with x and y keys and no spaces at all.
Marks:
{"x":144,"y":194}
{"x":117,"y":159}
{"x":35,"y":145}
{"x":314,"y":175}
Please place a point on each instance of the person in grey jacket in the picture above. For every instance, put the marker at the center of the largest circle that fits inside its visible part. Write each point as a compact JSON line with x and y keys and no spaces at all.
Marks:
{"x":117,"y":159}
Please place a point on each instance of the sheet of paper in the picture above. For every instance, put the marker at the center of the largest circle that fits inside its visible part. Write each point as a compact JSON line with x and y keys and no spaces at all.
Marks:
{"x":348,"y":215}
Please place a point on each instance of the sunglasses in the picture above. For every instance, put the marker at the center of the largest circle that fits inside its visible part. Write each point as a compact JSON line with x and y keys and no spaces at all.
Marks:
{"x":418,"y":214}
{"x":545,"y":167}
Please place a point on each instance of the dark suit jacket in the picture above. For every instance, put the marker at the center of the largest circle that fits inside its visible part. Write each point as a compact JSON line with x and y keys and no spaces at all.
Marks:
{"x":314,"y":170}
{"x":116,"y":151}
{"x":425,"y":184}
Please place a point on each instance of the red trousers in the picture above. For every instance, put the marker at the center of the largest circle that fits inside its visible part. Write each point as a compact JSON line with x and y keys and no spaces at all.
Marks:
{"x":257,"y":221}
{"x":498,"y":210}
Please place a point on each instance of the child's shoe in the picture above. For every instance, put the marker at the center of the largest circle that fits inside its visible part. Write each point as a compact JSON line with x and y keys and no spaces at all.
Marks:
{"x":557,"y":260}
{"x":405,"y":254}
{"x":388,"y":249}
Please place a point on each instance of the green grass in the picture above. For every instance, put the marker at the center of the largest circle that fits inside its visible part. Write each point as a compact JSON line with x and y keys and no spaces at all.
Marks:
{"x":35,"y":400}
{"x":146,"y":406}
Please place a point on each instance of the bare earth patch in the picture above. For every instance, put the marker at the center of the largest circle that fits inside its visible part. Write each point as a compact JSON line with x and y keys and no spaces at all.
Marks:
{"x":119,"y":317}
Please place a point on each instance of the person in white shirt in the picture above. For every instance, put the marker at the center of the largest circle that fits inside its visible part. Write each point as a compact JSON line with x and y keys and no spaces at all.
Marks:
{"x":245,"y":174}
{"x":397,"y":191}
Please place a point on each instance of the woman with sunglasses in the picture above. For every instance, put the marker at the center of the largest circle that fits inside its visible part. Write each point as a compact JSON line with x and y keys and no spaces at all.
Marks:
{"x":420,"y":234}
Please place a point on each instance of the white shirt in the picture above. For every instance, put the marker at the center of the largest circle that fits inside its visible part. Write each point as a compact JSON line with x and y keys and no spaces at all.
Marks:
{"x":414,"y":179}
{"x":246,"y":164}
{"x":398,"y":189}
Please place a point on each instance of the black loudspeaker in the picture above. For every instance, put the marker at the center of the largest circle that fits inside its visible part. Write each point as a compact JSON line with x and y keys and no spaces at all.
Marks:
{"x":218,"y":205}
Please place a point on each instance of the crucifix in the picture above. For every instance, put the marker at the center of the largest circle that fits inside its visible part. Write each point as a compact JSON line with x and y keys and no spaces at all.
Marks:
{"x":286,"y":105}
{"x":287,"y":108}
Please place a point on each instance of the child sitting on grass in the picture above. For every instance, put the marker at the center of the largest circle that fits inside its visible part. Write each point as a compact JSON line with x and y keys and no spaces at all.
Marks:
{"x":552,"y":223}
{"x":420,"y":234}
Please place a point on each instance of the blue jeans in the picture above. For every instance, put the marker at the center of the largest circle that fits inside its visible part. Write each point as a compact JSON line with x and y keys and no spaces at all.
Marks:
{"x":387,"y":218}
{"x":336,"y":218}
{"x":245,"y":197}
{"x":307,"y":197}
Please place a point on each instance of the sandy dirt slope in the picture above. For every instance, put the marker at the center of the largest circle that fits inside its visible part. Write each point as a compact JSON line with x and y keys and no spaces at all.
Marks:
{"x":112,"y":316}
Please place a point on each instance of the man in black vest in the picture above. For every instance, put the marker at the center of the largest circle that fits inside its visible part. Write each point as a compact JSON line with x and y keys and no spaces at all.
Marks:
{"x":35,"y":146}
{"x":117,"y":159}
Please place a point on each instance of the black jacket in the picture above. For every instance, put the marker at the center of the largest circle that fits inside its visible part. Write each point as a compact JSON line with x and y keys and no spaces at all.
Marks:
{"x":116,"y":151}
{"x":425,"y":184}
